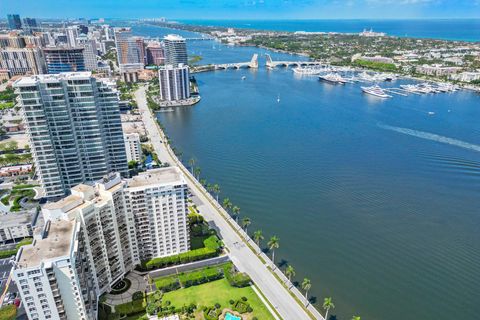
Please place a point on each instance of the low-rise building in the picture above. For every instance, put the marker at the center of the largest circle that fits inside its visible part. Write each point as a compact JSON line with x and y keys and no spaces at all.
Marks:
{"x":16,"y":226}
{"x":14,"y":171}
{"x":133,"y":147}
{"x":436,"y":70}
{"x":466,"y":76}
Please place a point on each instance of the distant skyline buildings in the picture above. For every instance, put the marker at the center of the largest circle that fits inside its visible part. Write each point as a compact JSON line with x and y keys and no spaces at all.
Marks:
{"x":14,"y":22}
{"x":264,"y":9}
{"x":64,"y":59}
{"x":175,"y":50}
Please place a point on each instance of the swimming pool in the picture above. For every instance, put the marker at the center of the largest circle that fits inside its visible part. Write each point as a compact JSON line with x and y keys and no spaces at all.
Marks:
{"x":229,"y":316}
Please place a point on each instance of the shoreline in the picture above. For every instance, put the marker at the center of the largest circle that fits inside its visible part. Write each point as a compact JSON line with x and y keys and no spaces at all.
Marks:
{"x":265,"y":269}
{"x":464,"y":85}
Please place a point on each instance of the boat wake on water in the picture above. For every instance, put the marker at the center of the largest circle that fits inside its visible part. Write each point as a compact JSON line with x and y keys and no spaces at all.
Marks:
{"x":432,"y":137}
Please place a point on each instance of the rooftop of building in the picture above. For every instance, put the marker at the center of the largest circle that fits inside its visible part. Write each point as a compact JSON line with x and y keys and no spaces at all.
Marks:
{"x":15,"y":219}
{"x":174,"y":37}
{"x":66,"y":202}
{"x":33,"y":80}
{"x":56,"y":243}
{"x":164,"y":176}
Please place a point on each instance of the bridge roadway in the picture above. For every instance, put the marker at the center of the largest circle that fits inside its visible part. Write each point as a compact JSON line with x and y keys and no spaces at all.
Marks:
{"x":273,"y":64}
{"x":240,"y":253}
{"x":269,"y":63}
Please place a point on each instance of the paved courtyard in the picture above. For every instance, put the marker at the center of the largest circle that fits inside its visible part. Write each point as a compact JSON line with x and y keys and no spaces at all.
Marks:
{"x":138,"y":284}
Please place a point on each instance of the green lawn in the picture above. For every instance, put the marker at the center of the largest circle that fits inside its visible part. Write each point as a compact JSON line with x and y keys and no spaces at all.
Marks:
{"x":217,"y":291}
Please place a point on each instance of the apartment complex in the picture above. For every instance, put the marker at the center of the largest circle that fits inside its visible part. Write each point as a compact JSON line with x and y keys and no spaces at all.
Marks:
{"x":74,"y":128}
{"x":89,"y":52}
{"x":157,"y":199}
{"x":130,"y":50}
{"x":155,"y":54}
{"x":133,"y":147}
{"x":174,"y":82}
{"x":22,"y":61}
{"x":64,"y":59}
{"x":175,"y":50}
{"x":94,"y":236}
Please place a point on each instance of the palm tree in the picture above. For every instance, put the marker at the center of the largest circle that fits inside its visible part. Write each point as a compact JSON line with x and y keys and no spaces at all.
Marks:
{"x":210,"y":187}
{"x":272,"y":245}
{"x":258,"y":236}
{"x":227,"y":204}
{"x":306,"y":285}
{"x":356,"y":318}
{"x":203,"y":182}
{"x":245,"y":223}
{"x":216,"y":190}
{"x":196,"y":172}
{"x":236,"y":212}
{"x":290,"y":272}
{"x":327,"y":304}
{"x":192,"y":162}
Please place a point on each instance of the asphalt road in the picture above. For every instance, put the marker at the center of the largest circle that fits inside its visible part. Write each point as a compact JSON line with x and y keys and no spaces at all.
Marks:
{"x":242,"y":256}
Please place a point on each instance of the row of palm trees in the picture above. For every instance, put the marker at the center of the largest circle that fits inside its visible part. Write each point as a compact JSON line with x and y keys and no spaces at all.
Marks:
{"x":258,"y":237}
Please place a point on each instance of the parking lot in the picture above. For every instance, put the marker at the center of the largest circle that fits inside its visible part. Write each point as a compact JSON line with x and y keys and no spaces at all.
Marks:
{"x":5,"y":267}
{"x":12,"y":294}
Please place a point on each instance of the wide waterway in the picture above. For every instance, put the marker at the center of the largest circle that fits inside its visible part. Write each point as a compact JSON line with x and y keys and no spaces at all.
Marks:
{"x":376,"y":201}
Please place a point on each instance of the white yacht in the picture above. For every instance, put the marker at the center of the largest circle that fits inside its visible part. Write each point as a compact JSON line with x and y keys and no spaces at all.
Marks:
{"x":376,"y":91}
{"x":334,"y":78}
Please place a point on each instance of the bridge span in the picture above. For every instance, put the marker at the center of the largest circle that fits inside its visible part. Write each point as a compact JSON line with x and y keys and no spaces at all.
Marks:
{"x":253,"y":64}
{"x":273,"y":64}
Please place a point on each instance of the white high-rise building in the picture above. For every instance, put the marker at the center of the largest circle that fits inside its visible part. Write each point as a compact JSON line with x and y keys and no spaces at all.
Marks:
{"x":157,"y":199}
{"x":89,"y":52}
{"x":74,"y":128}
{"x":133,"y":147}
{"x":94,"y":236}
{"x":175,"y":50}
{"x":174,"y":82}
{"x":72,"y":34}
{"x":85,"y":247}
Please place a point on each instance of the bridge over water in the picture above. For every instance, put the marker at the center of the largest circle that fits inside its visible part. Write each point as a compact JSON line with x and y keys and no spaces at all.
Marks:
{"x":253,"y":63}
{"x":273,"y":64}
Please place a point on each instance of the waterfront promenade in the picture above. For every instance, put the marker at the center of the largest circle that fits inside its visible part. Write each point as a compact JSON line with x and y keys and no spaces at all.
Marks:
{"x":243,"y":252}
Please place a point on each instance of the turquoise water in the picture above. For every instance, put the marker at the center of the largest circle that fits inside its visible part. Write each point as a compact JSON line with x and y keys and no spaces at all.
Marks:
{"x":448,"y":29}
{"x":376,"y":201}
{"x":229,"y":316}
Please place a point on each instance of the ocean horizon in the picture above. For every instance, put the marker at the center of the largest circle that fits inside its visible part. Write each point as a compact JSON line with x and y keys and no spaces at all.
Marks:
{"x":444,"y":29}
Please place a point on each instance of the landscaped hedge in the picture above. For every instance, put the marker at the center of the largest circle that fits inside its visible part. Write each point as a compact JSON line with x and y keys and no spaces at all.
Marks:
{"x":8,"y":312}
{"x":133,"y":307}
{"x":190,"y":256}
{"x":167,"y":284}
{"x":212,"y":249}
{"x":12,"y":252}
{"x":201,"y":276}
{"x":236,"y":279}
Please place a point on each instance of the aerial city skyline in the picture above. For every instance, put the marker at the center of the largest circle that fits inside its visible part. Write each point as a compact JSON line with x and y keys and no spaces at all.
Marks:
{"x":175,"y":161}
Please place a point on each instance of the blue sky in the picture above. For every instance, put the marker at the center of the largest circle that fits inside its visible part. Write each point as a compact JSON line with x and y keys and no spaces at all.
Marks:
{"x":244,"y":9}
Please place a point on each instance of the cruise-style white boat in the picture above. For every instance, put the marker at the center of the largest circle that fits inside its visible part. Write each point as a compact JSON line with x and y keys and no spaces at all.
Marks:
{"x":309,"y":71}
{"x":376,"y":91}
{"x":333,"y":78}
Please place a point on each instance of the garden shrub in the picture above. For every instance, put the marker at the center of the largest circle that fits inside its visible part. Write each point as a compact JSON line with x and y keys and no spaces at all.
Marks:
{"x":236,"y":279}
{"x":137,"y":295}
